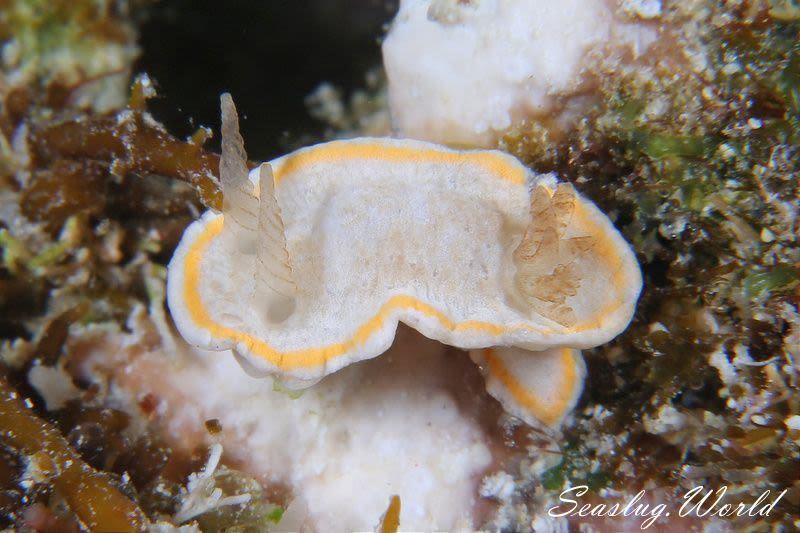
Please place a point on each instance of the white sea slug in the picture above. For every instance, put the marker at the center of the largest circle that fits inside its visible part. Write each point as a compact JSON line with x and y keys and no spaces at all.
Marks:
{"x":319,"y":254}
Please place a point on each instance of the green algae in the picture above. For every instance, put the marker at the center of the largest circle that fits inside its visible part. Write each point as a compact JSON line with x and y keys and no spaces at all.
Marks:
{"x":662,"y":146}
{"x":763,"y":282}
{"x":14,"y":252}
{"x":572,"y":471}
{"x":54,"y":253}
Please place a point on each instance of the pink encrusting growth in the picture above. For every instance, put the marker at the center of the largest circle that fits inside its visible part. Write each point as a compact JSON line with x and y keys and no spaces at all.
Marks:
{"x":308,"y":451}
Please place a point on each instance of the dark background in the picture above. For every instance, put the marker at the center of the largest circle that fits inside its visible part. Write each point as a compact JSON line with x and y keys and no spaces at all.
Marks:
{"x":270,"y":54}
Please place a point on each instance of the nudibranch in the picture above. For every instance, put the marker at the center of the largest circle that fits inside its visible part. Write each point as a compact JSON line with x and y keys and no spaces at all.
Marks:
{"x":317,"y":255}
